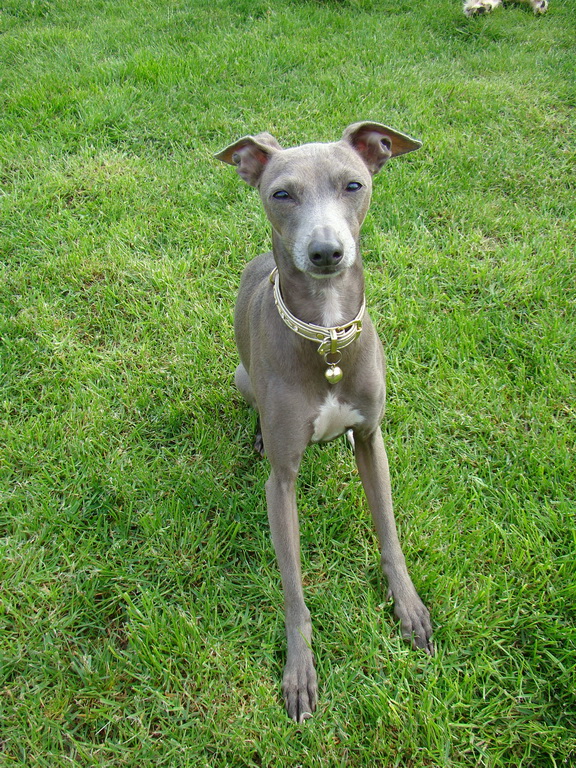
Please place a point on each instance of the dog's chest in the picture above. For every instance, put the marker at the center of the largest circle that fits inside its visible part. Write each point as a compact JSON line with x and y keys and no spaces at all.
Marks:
{"x":334,"y":418}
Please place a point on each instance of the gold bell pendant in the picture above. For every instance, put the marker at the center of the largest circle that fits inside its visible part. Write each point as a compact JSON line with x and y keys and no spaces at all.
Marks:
{"x":333,"y":374}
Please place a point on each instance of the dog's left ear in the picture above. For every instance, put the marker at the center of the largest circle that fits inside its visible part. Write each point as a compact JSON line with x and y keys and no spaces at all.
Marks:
{"x":377,"y":143}
{"x":250,"y":154}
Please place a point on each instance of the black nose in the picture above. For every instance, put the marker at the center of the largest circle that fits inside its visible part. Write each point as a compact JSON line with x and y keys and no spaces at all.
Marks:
{"x":325,"y":252}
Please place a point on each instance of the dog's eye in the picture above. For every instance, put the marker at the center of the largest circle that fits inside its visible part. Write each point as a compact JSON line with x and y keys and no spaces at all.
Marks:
{"x":354,"y":186}
{"x":281,"y":194}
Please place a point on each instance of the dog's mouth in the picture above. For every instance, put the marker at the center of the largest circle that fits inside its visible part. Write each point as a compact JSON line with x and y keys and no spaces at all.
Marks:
{"x":325,"y":271}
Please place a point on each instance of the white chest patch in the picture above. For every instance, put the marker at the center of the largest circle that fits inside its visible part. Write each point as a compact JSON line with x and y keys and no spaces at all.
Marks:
{"x":331,"y":311}
{"x":334,"y":418}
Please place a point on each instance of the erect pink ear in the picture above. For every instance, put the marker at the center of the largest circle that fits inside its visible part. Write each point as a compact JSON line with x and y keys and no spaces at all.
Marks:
{"x":250,"y":154}
{"x":377,"y":143}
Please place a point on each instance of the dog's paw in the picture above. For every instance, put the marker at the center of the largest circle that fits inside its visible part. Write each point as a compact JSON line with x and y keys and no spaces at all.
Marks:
{"x":480,"y":7}
{"x":259,"y":444}
{"x":539,"y":6}
{"x":300,"y":688}
{"x":259,"y":440}
{"x":415,"y":623}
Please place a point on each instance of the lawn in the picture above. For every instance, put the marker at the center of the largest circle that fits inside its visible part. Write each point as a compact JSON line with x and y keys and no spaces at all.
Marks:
{"x":140,"y":606}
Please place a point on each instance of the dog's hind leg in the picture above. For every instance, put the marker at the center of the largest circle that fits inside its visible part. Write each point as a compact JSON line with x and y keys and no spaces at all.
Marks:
{"x":242,"y":381}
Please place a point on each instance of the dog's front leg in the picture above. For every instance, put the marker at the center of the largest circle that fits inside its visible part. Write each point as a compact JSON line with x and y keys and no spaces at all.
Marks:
{"x":373,"y":467}
{"x":299,"y":685}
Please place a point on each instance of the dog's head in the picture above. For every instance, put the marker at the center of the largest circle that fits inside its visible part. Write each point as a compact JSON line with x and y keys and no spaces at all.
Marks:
{"x":316,"y":195}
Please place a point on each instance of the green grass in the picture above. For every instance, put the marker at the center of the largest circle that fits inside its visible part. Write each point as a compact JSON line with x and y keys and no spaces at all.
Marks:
{"x":140,"y":608}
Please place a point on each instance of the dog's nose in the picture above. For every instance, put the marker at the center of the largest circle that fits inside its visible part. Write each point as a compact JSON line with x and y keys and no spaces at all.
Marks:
{"x":325,"y":250}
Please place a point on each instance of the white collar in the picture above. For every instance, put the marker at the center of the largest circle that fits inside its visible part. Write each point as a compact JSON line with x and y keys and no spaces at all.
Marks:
{"x":331,"y":339}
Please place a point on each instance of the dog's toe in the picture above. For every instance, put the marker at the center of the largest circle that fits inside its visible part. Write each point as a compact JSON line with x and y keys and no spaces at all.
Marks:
{"x":419,"y":633}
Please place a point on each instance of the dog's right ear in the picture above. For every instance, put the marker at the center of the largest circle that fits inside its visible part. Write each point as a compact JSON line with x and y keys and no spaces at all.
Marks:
{"x":250,"y":154}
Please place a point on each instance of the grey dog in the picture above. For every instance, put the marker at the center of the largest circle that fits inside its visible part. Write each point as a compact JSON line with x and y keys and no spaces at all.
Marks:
{"x":312,"y":364}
